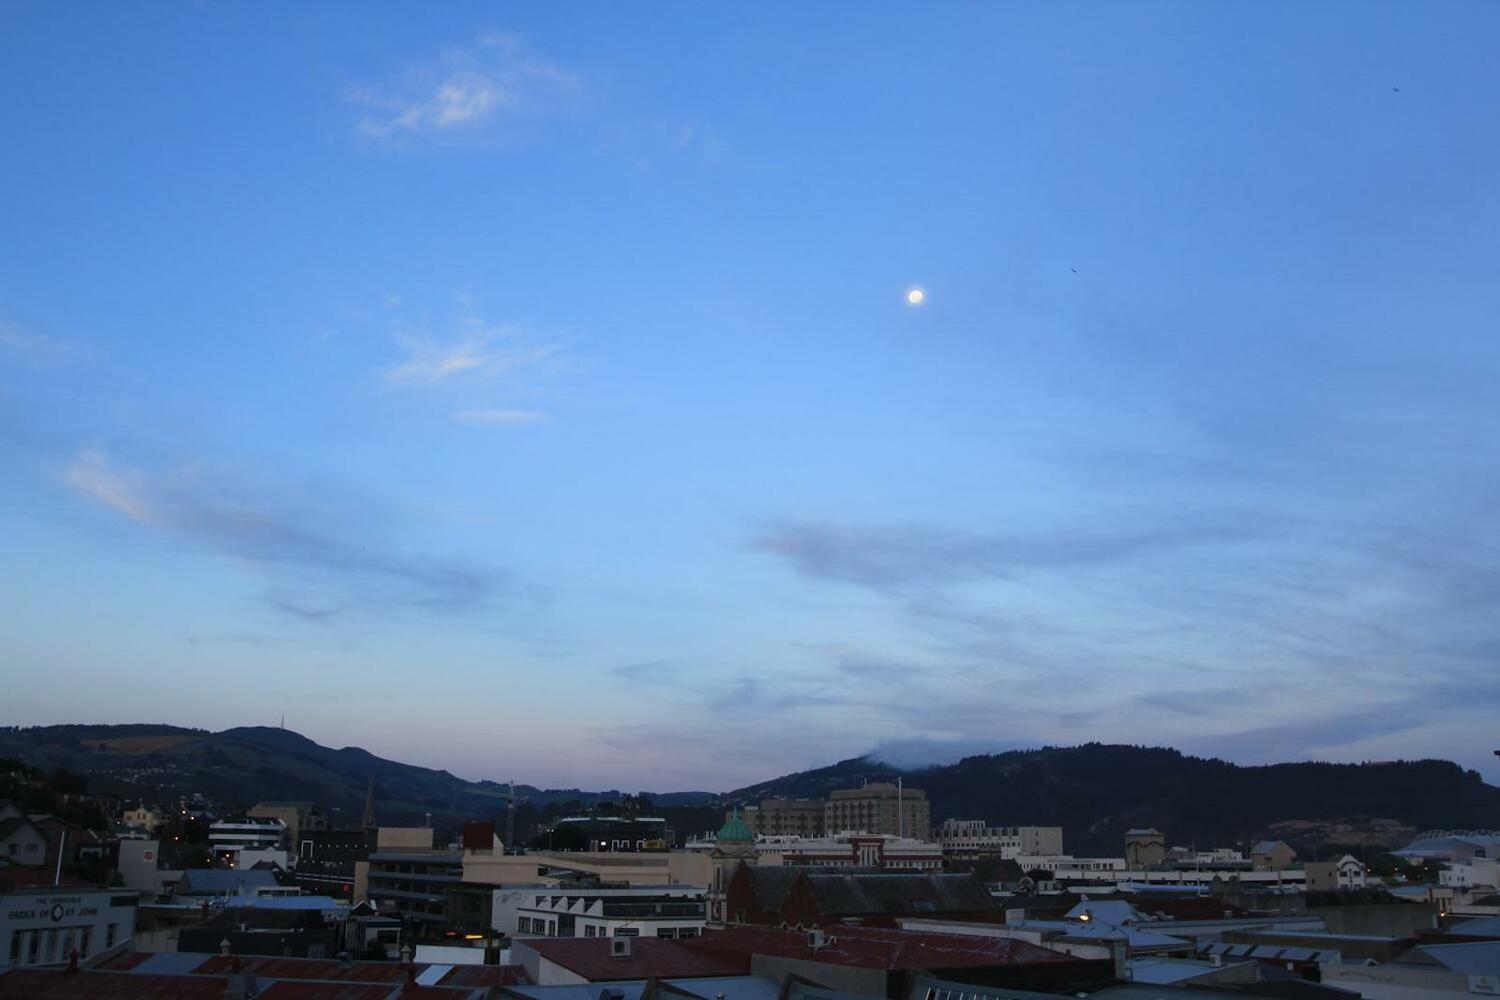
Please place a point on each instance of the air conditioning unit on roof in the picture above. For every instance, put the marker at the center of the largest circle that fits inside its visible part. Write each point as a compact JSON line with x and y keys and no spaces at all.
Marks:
{"x":619,"y":947}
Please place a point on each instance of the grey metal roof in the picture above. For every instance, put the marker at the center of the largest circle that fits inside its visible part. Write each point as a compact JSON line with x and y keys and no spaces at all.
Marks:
{"x":223,"y":881}
{"x":733,"y":988}
{"x":1163,"y":971}
{"x":947,"y":989}
{"x":1477,"y":958}
{"x":899,"y":894}
{"x":1476,"y":926}
{"x":169,"y":963}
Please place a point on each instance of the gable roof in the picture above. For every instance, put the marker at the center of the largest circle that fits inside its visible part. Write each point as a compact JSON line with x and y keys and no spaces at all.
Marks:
{"x":223,"y":881}
{"x":9,"y":827}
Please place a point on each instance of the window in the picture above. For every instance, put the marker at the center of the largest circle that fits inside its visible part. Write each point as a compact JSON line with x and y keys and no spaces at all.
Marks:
{"x":33,"y":947}
{"x":110,"y":933}
{"x":84,"y":937}
{"x":15,"y":948}
{"x":627,"y":932}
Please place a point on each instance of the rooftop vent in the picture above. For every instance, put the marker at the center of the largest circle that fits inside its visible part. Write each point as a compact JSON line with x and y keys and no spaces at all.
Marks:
{"x":619,"y":947}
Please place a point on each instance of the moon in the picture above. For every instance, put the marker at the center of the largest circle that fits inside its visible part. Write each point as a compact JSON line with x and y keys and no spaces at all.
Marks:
{"x":915,"y":296}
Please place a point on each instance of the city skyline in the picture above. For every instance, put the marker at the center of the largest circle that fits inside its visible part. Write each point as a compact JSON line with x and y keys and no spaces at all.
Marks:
{"x":532,"y":394}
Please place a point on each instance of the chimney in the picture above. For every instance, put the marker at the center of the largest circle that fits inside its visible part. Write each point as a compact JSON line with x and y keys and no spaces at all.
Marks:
{"x":241,"y":986}
{"x":1119,"y":952}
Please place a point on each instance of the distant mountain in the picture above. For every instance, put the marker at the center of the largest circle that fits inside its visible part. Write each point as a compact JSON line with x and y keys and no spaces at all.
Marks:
{"x":1096,"y":792}
{"x":239,"y":767}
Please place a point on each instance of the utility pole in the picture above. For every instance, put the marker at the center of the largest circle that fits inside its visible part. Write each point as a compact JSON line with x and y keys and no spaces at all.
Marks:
{"x":510,"y":821}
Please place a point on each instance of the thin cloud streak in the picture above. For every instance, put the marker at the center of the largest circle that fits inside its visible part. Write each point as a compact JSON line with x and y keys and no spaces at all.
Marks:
{"x":478,"y":354}
{"x":498,"y":418}
{"x":297,"y":543}
{"x":905,"y":555}
{"x":32,"y":346}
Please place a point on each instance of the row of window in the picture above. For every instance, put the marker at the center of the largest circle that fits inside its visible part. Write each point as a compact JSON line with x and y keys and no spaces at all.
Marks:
{"x":54,"y":945}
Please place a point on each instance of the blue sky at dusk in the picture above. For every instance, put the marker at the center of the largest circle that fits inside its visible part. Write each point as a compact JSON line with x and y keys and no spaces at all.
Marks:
{"x":530,"y":389}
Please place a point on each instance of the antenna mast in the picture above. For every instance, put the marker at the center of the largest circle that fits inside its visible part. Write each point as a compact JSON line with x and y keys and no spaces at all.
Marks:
{"x":510,"y":821}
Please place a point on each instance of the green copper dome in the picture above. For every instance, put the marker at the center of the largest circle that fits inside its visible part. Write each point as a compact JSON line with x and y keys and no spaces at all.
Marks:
{"x":736,"y":829}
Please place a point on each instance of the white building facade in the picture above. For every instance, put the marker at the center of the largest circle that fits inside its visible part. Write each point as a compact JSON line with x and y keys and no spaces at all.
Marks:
{"x":227,"y":837}
{"x":659,"y":911}
{"x":47,"y":926}
{"x":973,"y":838}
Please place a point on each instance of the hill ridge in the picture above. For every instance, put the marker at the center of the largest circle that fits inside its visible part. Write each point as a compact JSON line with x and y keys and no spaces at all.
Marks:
{"x":1094,"y":791}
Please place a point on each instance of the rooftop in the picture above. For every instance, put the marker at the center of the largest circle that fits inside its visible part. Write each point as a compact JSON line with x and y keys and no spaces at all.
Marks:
{"x":649,"y":958}
{"x":185,"y":976}
{"x":898,"y":893}
{"x":879,"y":948}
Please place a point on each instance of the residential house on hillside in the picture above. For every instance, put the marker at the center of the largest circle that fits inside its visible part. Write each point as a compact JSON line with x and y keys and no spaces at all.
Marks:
{"x":1347,"y":872}
{"x":22,"y":842}
{"x":143,"y":817}
{"x":1272,"y":856}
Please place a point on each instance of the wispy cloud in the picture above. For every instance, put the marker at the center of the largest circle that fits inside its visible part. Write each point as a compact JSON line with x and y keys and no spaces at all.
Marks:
{"x":903,"y":555}
{"x":474,"y":354}
{"x":318,"y":568}
{"x":468,"y":87}
{"x":649,"y":672}
{"x":32,"y":346}
{"x":498,"y":418}
{"x":92,"y":474}
{"x":910,"y":753}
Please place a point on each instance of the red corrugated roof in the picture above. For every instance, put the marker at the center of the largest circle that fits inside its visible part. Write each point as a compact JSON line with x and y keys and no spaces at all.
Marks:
{"x":477,"y":976}
{"x":327,"y":970}
{"x":123,"y":962}
{"x":325,"y":991}
{"x":46,"y":984}
{"x":649,"y":957}
{"x":17,"y":877}
{"x":278,"y":978}
{"x":878,"y":948}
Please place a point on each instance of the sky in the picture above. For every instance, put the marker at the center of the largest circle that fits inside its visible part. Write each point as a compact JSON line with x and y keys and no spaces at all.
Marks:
{"x":531,"y":389}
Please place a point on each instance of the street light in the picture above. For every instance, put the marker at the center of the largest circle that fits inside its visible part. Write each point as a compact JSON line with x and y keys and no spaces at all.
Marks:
{"x":1086,"y":917}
